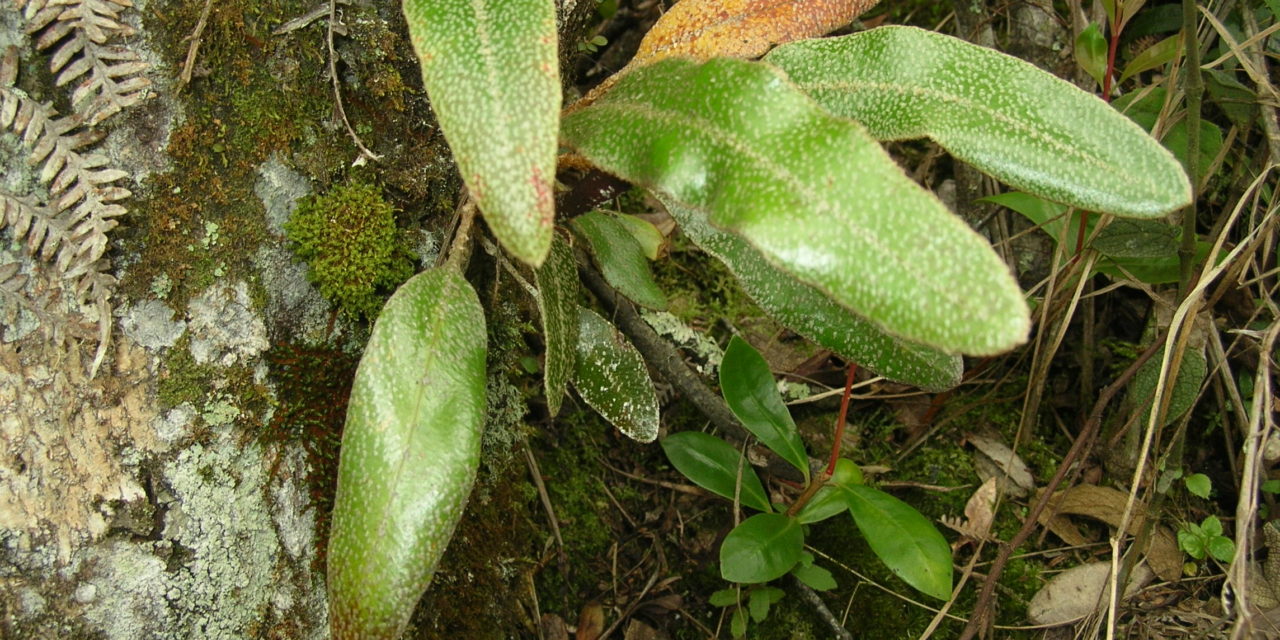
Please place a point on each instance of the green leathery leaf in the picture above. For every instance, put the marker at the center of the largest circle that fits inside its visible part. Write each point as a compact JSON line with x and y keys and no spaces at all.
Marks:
{"x":810,"y":313}
{"x":557,"y":281}
{"x":714,"y":465}
{"x":1153,"y":56}
{"x":650,"y":238}
{"x":817,"y":197}
{"x":1004,"y":116}
{"x":410,"y":449}
{"x":752,"y":394}
{"x":610,"y":376}
{"x":491,"y":70}
{"x":1091,"y":52}
{"x":1123,"y":238}
{"x":904,"y":540}
{"x":762,"y":548}
{"x":621,"y":258}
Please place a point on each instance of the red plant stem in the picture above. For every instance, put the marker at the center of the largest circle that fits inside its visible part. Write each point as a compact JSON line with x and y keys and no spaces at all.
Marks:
{"x":1106,"y":95}
{"x":816,"y":483}
{"x":840,"y":421}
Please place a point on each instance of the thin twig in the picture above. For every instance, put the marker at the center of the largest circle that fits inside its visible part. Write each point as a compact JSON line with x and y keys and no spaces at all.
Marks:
{"x":194,"y":49}
{"x":337,"y":88}
{"x":820,"y":607}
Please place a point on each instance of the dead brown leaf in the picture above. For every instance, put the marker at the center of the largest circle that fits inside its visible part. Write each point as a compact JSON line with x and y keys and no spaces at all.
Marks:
{"x":742,"y":28}
{"x":978,"y":515}
{"x":1107,"y":504}
{"x":590,"y":622}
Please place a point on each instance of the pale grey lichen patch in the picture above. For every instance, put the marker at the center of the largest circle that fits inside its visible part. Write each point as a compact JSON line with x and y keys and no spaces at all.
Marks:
{"x":293,"y":515}
{"x":279,"y":188}
{"x":220,"y":412}
{"x":224,"y":328}
{"x":708,"y":354}
{"x":152,"y":324}
{"x":290,"y":296}
{"x":175,"y":424}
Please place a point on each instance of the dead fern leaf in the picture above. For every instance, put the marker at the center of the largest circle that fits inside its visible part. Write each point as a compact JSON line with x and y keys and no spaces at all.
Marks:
{"x":79,"y":32}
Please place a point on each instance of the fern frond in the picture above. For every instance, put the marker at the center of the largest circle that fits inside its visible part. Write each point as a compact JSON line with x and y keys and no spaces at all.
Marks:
{"x":109,"y":76}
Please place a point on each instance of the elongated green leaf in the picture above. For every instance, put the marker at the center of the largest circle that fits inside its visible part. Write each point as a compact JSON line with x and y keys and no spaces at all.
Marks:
{"x":818,"y":198}
{"x":1004,"y":116}
{"x":557,"y":281}
{"x":752,"y":395}
{"x":1183,"y":392}
{"x":1091,"y":53}
{"x":810,"y":313}
{"x":621,"y":258}
{"x":712,"y":463}
{"x":1144,"y":108}
{"x":650,"y":239}
{"x":491,"y":70}
{"x":610,"y":375}
{"x":765,"y":546}
{"x":1153,"y":56}
{"x":1123,"y":238}
{"x":828,"y":502}
{"x":908,"y":544}
{"x":410,"y":450}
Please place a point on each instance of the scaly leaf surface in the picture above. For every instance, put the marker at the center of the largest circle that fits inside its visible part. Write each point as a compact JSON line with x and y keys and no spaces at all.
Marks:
{"x":1004,"y":116}
{"x":492,"y":73}
{"x":813,"y":193}
{"x":810,"y":313}
{"x":410,"y":449}
{"x":557,"y":281}
{"x":611,"y":376}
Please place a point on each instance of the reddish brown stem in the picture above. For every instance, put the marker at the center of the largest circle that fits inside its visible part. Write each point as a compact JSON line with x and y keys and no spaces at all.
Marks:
{"x":816,"y":483}
{"x":840,"y":421}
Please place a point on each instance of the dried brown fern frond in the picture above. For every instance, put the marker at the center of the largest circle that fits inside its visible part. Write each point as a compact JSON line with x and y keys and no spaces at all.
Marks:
{"x":79,"y":32}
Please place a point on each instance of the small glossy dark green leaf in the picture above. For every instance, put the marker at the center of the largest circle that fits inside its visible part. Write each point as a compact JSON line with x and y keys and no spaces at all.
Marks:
{"x":491,"y":70}
{"x":751,"y":393}
{"x":1123,"y":238}
{"x":1005,"y":116}
{"x":557,"y":281}
{"x":828,"y":502}
{"x":611,"y":376}
{"x":908,"y":544}
{"x":410,"y":450}
{"x":762,"y":548}
{"x":621,"y":258}
{"x":816,"y":577}
{"x":1156,"y":55}
{"x":713,"y":464}
{"x":811,"y":192}
{"x":810,"y":313}
{"x":1091,"y":53}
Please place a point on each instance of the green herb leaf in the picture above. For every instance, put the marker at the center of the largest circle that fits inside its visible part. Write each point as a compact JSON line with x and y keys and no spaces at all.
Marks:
{"x":713,"y":464}
{"x":1091,"y":53}
{"x":810,"y":313}
{"x":621,"y":258}
{"x":1211,"y":526}
{"x":1222,"y":548}
{"x":723,"y":598}
{"x":1185,"y":389}
{"x":651,"y":240}
{"x":1199,"y":485}
{"x":816,"y":577}
{"x":611,"y":376}
{"x":827,"y":502}
{"x":1004,"y":116}
{"x":908,"y":544}
{"x":1141,"y":239}
{"x":811,"y":192}
{"x":752,"y":395}
{"x":1192,"y":541}
{"x":1153,"y":56}
{"x":491,"y":70}
{"x":557,"y":281}
{"x":738,"y":624}
{"x":1146,"y":111}
{"x":410,"y":450}
{"x":762,"y":548}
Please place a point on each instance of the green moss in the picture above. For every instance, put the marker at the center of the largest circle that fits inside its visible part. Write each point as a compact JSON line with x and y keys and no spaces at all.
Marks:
{"x":348,"y":238}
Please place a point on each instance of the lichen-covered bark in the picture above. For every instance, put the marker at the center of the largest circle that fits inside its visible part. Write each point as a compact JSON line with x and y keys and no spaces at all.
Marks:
{"x":183,"y":492}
